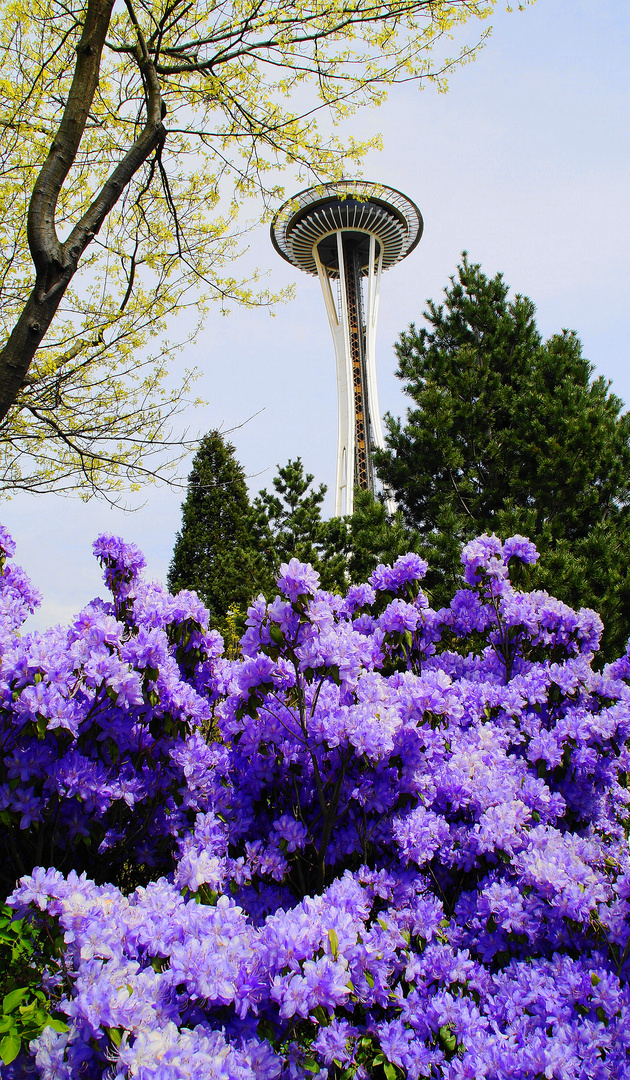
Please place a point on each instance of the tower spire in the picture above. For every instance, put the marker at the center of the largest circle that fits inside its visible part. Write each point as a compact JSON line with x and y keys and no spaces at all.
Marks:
{"x":346,"y":234}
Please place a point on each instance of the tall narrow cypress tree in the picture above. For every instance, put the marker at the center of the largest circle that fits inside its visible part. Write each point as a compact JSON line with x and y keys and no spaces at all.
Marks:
{"x":213,"y":551}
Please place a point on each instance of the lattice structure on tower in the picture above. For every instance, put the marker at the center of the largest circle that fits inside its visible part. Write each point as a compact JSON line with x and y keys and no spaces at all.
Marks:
{"x":346,"y":234}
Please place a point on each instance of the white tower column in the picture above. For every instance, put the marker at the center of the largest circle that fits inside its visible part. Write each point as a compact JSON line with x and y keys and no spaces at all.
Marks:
{"x":339,"y":327}
{"x":339,"y":321}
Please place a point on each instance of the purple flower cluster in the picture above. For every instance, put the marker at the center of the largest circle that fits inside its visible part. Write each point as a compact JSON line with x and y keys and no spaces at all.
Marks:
{"x":402,"y":852}
{"x":402,"y":577}
{"x":93,"y":720}
{"x":487,"y":558}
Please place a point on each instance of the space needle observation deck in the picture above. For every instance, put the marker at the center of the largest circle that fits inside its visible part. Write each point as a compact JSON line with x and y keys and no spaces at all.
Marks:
{"x":346,"y":234}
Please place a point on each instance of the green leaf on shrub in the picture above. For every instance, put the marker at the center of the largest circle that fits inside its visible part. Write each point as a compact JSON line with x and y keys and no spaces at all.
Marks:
{"x":10,"y":1048}
{"x":13,"y":999}
{"x":447,"y":1039}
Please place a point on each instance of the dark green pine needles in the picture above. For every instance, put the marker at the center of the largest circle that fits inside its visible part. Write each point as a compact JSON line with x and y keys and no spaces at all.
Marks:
{"x":214,"y":553}
{"x":229,"y":550}
{"x":509,"y":433}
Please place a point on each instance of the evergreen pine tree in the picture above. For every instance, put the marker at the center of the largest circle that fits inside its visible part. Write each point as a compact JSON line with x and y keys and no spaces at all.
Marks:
{"x":342,"y":550}
{"x":214,"y":553}
{"x":508,"y":433}
{"x":375,"y":537}
{"x":288,"y":524}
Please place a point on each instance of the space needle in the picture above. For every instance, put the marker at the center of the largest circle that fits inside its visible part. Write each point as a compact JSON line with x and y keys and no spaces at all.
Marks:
{"x":346,"y":234}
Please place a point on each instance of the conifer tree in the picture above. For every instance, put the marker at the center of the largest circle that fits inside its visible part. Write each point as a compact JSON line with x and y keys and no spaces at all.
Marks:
{"x":229,"y":550}
{"x":375,"y":537}
{"x":214,"y":554}
{"x":288,"y":524}
{"x":508,"y":433}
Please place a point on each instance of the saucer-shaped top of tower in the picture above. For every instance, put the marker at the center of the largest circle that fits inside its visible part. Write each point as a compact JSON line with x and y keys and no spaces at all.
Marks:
{"x":360,"y":209}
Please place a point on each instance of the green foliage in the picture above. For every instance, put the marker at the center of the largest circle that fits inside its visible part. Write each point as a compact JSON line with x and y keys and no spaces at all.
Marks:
{"x":214,"y":554}
{"x":342,"y":550}
{"x":229,"y":550}
{"x":26,"y":1009}
{"x":374,"y":537}
{"x":288,"y":524}
{"x":508,"y":433}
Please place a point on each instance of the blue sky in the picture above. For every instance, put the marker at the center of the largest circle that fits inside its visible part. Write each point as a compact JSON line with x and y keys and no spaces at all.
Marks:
{"x":524,"y":163}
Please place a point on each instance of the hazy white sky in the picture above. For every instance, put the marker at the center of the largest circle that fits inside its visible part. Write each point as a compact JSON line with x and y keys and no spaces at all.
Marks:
{"x":524,"y":163}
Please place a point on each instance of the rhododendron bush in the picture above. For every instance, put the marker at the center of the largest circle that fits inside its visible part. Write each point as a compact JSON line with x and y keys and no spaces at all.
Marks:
{"x":387,"y":841}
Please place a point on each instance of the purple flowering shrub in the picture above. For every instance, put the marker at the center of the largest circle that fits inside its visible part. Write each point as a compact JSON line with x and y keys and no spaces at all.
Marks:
{"x":407,"y":855}
{"x":92,"y":719}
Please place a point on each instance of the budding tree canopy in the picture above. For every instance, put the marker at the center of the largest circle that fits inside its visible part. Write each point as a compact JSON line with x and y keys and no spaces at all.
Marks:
{"x":132,"y":135}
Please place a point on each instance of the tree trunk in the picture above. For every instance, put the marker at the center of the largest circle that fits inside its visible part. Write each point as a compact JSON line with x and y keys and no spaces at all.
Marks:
{"x":56,"y":263}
